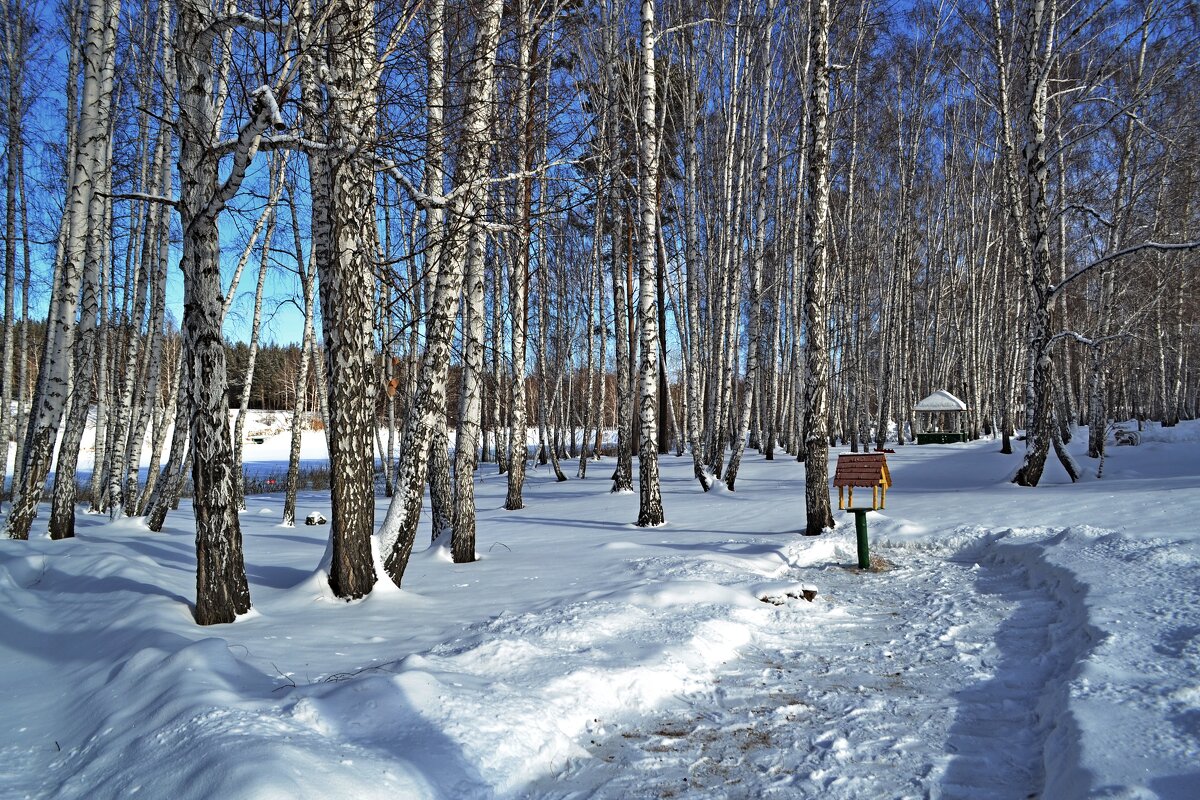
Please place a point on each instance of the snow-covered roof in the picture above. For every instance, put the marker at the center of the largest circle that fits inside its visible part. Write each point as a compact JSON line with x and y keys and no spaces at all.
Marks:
{"x":941,"y":400}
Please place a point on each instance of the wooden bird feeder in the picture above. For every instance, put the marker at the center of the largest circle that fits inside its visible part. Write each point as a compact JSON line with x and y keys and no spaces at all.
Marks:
{"x":862,"y":470}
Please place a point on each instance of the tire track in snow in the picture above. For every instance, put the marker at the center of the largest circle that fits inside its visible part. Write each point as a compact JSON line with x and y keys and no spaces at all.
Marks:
{"x":940,"y":678}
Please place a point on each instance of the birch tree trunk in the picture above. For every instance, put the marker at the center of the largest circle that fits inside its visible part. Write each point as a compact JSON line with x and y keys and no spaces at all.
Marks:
{"x":158,"y":254}
{"x":816,"y":304}
{"x":222,"y":591}
{"x":398,"y":531}
{"x":1039,"y":408}
{"x":166,"y":488}
{"x":346,"y":270}
{"x":650,"y":509}
{"x":54,"y":381}
{"x":239,"y":425}
{"x":753,"y":344}
{"x":692,"y":259}
{"x":519,"y":278}
{"x":62,"y":511}
{"x":441,"y":491}
{"x":462,"y":547}
{"x":14,"y":53}
{"x":307,"y":281}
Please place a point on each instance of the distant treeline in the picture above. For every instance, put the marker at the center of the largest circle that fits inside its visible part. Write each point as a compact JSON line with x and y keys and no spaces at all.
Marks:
{"x":276,"y":371}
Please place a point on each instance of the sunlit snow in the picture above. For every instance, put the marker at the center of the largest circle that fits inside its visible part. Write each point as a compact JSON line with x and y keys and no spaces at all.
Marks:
{"x":1018,"y":643}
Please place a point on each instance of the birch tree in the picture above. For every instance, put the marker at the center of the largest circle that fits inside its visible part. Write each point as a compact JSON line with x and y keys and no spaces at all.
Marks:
{"x":398,"y":531}
{"x":816,"y":308}
{"x":222,"y":591}
{"x":344,"y":247}
{"x":650,"y":509}
{"x":81,"y":214}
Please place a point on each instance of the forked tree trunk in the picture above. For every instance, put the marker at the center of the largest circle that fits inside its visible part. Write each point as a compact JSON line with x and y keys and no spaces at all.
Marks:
{"x":222,"y":591}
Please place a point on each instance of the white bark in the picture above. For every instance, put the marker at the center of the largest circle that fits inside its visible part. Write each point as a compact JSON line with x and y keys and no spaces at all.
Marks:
{"x":816,"y":304}
{"x":518,"y":281}
{"x":398,"y":531}
{"x":345,"y":247}
{"x":650,"y":509}
{"x":222,"y":591}
{"x":55,"y":374}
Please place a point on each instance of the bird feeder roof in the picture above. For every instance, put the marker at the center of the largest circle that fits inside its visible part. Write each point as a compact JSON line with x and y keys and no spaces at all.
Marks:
{"x":862,"y":469}
{"x":941,"y":400}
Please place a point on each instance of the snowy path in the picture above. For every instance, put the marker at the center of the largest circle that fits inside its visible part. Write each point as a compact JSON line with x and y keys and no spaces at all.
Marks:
{"x":930,"y":685}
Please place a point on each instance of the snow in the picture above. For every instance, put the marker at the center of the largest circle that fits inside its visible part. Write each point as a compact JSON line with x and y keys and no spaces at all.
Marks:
{"x":941,"y":400}
{"x":1015,"y":643}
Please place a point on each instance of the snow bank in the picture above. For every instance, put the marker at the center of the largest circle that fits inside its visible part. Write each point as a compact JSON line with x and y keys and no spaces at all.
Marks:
{"x":1019,"y":641}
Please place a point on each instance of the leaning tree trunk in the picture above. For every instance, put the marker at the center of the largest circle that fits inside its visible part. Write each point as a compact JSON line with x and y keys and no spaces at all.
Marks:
{"x":398,"y":532}
{"x":239,"y":425}
{"x":62,"y":510}
{"x":166,"y":487}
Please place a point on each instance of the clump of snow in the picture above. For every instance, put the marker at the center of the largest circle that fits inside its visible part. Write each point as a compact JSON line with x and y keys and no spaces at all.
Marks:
{"x":1023,"y":642}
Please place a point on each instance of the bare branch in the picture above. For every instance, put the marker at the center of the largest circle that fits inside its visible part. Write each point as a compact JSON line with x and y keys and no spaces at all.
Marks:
{"x":1128,"y":251}
{"x":266,"y":114}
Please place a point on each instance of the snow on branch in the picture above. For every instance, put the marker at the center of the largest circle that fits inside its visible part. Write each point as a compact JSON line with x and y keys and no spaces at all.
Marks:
{"x":1085,"y":340}
{"x":266,"y":115}
{"x":429,"y":200}
{"x":149,"y":198}
{"x":1128,"y":251}
{"x":240,"y":19}
{"x":1086,"y":209}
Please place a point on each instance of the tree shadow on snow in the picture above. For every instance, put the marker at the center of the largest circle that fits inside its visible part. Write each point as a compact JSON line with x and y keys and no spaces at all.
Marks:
{"x":276,"y":577}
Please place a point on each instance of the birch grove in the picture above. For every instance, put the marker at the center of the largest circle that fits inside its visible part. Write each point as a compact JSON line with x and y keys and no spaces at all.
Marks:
{"x":747,"y":230}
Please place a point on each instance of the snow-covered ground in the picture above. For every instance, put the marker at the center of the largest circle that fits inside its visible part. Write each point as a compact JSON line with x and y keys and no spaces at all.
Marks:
{"x":1020,"y":643}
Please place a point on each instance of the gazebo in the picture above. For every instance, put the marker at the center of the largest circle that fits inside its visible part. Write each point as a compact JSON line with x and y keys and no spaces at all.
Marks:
{"x":939,"y":419}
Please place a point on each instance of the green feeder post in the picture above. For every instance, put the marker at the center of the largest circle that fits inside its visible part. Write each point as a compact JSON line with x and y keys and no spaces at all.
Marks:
{"x":860,"y":527}
{"x":868,"y":471}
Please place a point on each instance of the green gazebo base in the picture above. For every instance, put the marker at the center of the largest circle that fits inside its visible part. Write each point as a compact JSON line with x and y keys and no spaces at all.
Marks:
{"x":940,"y":438}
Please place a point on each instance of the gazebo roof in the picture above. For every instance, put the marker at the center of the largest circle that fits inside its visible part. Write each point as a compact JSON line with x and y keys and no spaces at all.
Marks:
{"x":941,"y":400}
